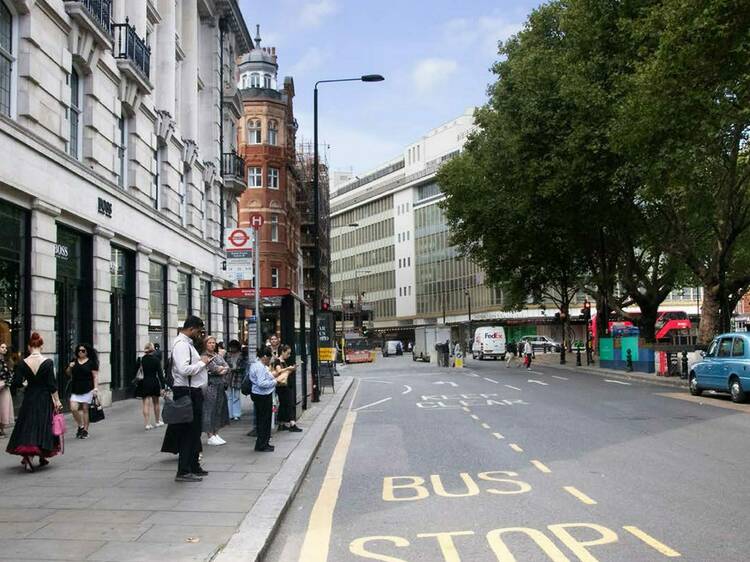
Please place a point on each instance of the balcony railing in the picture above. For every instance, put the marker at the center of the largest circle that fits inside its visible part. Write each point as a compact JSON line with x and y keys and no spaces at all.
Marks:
{"x":233,"y":164}
{"x":100,"y":11}
{"x":129,"y":46}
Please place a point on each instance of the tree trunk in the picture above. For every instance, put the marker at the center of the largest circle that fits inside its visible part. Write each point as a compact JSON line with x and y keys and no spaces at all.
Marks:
{"x":647,"y":321}
{"x":710,"y":314}
{"x":602,"y":316}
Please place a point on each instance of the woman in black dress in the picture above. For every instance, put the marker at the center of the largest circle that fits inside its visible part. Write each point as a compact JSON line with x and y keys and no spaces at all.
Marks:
{"x":32,"y":435}
{"x":151,"y":386}
{"x":84,"y":385}
{"x":286,"y":416}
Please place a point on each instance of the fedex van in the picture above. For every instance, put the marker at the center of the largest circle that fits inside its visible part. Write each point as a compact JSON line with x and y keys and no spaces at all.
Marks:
{"x":489,"y":341}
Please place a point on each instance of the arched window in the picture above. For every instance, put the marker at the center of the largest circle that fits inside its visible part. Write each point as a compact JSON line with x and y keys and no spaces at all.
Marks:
{"x":255,"y":80}
{"x":74,"y":115}
{"x":273,"y":132}
{"x":6,"y":58}
{"x":245,"y":80}
{"x":254,"y":131}
{"x":266,"y":80}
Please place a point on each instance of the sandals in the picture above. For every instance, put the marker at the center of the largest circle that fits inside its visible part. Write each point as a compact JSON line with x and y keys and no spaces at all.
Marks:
{"x":27,"y":464}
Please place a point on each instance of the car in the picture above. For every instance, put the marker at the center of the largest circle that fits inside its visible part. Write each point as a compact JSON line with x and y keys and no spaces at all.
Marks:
{"x":725,"y":367}
{"x":540,"y":343}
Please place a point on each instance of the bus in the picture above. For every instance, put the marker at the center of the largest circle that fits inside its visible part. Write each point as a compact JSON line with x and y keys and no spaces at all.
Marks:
{"x":357,"y":349}
{"x":670,"y":324}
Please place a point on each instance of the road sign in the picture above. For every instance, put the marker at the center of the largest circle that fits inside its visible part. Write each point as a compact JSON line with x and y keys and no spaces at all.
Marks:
{"x":238,"y":239}
{"x":238,"y":243}
{"x":256,"y":221}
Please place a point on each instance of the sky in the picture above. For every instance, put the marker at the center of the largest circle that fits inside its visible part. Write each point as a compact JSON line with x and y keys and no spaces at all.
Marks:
{"x":435,"y":55}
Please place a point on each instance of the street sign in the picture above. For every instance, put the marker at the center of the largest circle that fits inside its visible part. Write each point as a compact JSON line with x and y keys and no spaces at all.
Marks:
{"x":326,"y":345}
{"x":238,"y":244}
{"x":238,"y":239}
{"x":252,"y":332}
{"x":256,"y":221}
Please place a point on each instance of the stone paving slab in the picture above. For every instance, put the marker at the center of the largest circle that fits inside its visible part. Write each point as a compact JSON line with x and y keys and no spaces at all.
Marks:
{"x":113,"y":497}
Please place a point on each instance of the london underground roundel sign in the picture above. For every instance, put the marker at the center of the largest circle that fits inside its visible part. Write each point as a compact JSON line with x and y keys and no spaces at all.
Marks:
{"x":238,"y":238}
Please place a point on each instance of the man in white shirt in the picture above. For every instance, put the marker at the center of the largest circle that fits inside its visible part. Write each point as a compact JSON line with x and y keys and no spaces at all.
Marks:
{"x":190,"y":374}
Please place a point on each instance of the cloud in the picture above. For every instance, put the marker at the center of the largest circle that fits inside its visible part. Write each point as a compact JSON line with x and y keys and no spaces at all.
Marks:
{"x":311,"y":59}
{"x":428,"y":73}
{"x":481,"y":33}
{"x":313,"y":13}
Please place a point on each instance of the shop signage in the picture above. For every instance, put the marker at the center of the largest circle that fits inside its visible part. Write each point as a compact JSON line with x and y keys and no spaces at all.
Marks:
{"x":326,"y":346}
{"x":62,"y":251}
{"x":105,"y":208}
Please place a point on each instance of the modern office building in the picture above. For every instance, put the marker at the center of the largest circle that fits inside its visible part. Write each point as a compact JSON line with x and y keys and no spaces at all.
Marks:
{"x":116,"y":120}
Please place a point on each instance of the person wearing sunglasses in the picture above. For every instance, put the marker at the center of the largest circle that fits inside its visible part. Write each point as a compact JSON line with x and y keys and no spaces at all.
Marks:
{"x":84,"y":384}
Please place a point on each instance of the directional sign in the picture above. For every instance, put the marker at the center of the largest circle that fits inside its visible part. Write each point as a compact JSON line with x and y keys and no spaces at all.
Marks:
{"x":256,"y":220}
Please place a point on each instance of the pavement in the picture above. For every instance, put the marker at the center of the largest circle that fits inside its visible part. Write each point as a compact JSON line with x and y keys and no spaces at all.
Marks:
{"x":493,"y":463}
{"x":113,"y":497}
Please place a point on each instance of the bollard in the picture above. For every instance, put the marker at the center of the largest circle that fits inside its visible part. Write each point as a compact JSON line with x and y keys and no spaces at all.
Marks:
{"x":578,"y":356}
{"x":562,"y":355}
{"x":629,"y":361}
{"x":684,"y":374}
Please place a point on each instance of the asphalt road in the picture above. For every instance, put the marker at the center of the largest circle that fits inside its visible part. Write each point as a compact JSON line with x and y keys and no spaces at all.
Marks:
{"x":491,"y":463}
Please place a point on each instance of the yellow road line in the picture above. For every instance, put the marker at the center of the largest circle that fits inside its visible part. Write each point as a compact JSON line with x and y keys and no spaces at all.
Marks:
{"x":541,"y":466}
{"x":476,"y":417}
{"x":516,"y":448}
{"x":652,"y":542}
{"x":486,"y":425}
{"x":318,"y":535}
{"x":498,"y":436}
{"x":576,"y":493}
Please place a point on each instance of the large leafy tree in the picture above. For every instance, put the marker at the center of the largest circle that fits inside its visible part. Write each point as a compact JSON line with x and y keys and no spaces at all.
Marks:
{"x":684,"y":122}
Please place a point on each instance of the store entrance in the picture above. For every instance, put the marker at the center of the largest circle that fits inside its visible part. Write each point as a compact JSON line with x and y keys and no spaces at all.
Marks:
{"x":122,"y":323}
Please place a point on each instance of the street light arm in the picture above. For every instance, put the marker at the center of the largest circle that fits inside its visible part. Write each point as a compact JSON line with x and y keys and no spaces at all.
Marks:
{"x":337,"y":80}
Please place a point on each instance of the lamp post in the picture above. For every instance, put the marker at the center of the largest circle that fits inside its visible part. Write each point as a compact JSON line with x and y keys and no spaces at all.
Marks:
{"x":316,"y":228}
{"x":468,"y":297}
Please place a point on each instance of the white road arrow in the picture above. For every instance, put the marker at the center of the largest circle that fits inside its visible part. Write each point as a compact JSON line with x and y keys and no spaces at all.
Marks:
{"x":446,"y":382}
{"x":538,"y":382}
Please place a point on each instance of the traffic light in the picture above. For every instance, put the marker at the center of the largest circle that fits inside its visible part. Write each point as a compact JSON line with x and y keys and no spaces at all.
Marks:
{"x":325,"y":306}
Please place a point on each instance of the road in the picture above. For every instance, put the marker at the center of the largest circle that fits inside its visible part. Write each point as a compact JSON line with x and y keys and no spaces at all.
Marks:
{"x":495,"y":463}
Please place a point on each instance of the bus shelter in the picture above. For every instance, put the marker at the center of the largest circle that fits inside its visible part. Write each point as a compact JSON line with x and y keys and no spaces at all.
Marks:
{"x":288,"y":311}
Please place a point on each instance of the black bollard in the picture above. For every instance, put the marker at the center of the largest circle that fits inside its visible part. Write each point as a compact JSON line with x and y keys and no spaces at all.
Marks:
{"x":684,"y":374}
{"x":578,"y":356}
{"x":629,"y":361}
{"x":562,"y":355}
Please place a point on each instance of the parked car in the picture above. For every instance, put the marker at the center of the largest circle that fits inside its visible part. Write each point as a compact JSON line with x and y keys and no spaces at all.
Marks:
{"x":725,"y":367}
{"x":489,"y":341}
{"x":538,"y":343}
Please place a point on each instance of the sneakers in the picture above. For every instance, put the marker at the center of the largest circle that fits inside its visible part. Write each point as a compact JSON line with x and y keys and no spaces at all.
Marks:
{"x":266,"y":449}
{"x":187,"y":478}
{"x":294,"y":428}
{"x":200,"y":472}
{"x":84,"y":434}
{"x":159,"y":423}
{"x":78,"y":433}
{"x":149,"y":426}
{"x":215,"y":440}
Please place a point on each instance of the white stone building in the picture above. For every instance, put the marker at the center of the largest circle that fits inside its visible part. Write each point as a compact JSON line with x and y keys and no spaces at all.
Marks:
{"x":117,"y":174}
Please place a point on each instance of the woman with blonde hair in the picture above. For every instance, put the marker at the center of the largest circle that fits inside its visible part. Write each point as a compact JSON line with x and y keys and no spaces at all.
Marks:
{"x":149,"y":384}
{"x":215,"y":409}
{"x":6,"y":401}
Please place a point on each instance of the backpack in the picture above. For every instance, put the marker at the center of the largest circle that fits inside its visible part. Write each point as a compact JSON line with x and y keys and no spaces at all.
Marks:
{"x":247,"y":386}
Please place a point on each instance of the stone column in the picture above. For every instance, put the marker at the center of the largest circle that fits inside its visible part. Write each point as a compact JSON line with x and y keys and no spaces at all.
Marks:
{"x":102,"y":257}
{"x":195,"y":294}
{"x":43,"y":268}
{"x":164,"y":77}
{"x":142,"y":296}
{"x":217,"y":312}
{"x":172,"y":301}
{"x":234,"y":325}
{"x":189,"y":73}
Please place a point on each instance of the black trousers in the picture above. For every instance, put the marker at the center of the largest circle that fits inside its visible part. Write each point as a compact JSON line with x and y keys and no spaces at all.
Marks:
{"x":286,"y":404}
{"x":264,"y":410}
{"x":189,"y":434}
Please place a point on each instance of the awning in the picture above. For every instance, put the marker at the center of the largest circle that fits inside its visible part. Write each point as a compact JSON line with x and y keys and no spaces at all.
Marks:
{"x":243,"y":296}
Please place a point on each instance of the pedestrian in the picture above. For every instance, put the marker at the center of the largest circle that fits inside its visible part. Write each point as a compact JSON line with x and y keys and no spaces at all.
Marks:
{"x":6,"y":400}
{"x":215,"y":408}
{"x":157,"y":352}
{"x":447,"y":352}
{"x":237,"y":362}
{"x":275,"y":343}
{"x":263,"y":384}
{"x":32,"y":434}
{"x":510,"y":353}
{"x":190,"y":375}
{"x":150,"y":388}
{"x":83,"y":371}
{"x":287,"y":408}
{"x":528,"y":351}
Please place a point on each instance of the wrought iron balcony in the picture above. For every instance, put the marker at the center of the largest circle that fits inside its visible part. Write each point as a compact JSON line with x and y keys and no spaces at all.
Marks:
{"x":233,"y":172}
{"x":130,"y":47}
{"x":99,"y":12}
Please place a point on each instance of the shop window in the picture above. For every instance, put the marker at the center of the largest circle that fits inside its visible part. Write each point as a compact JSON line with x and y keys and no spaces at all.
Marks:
{"x":14,"y":279}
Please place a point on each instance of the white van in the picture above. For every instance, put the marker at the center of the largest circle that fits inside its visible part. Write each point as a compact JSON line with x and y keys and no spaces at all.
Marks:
{"x":391,"y":348}
{"x":489,"y":341}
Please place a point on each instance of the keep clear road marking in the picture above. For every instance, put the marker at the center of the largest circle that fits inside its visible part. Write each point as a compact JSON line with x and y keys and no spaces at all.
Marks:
{"x":560,"y":378}
{"x":538,"y":382}
{"x":498,"y":436}
{"x":491,"y":380}
{"x":513,"y":387}
{"x":541,"y":466}
{"x":318,"y":535}
{"x":617,"y":382}
{"x":516,"y":448}
{"x":652,"y":542}
{"x":373,"y":404}
{"x":408,"y":389}
{"x":576,"y":493}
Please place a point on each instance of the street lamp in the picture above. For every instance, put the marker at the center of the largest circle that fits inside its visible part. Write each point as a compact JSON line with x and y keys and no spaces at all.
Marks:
{"x":316,"y":227}
{"x":467,"y":293}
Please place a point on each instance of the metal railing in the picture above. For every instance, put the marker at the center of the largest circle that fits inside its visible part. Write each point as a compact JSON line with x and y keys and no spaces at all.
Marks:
{"x":129,"y":46}
{"x":100,"y":11}
{"x":233,"y":164}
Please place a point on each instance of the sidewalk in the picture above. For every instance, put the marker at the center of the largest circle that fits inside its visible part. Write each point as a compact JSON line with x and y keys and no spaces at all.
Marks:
{"x":113,"y":497}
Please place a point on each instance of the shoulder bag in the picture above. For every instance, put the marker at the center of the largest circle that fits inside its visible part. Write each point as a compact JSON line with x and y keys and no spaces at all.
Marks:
{"x":139,"y":373}
{"x":96,"y":412}
{"x":180,"y":410}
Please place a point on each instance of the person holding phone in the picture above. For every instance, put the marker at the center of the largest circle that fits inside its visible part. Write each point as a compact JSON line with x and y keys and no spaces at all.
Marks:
{"x":263,"y":385}
{"x":215,"y":408}
{"x":285,"y":392}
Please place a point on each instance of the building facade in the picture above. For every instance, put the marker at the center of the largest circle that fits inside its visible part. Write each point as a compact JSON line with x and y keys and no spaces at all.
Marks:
{"x":113,"y":118}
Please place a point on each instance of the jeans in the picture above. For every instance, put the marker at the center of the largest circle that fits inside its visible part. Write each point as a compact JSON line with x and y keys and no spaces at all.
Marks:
{"x":234,"y":401}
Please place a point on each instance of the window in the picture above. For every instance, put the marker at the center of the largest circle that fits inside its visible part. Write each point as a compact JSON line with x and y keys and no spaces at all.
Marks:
{"x":6,"y":59}
{"x":74,"y":115}
{"x":725,"y":347}
{"x":182,"y":196}
{"x":245,"y":81}
{"x":255,"y":80}
{"x":255,"y":176}
{"x":206,"y":196}
{"x":184,"y":296}
{"x":738,"y":348}
{"x":273,"y":178}
{"x":273,"y":132}
{"x":274,"y":228}
{"x":122,"y":151}
{"x":275,"y":277}
{"x":157,"y":172}
{"x":266,"y":80}
{"x":253,"y":131}
{"x":204,"y":311}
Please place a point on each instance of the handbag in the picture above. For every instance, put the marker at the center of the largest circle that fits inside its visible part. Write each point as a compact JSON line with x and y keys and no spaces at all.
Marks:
{"x":139,"y":373}
{"x":180,"y":410}
{"x":58,"y":424}
{"x":96,"y":412}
